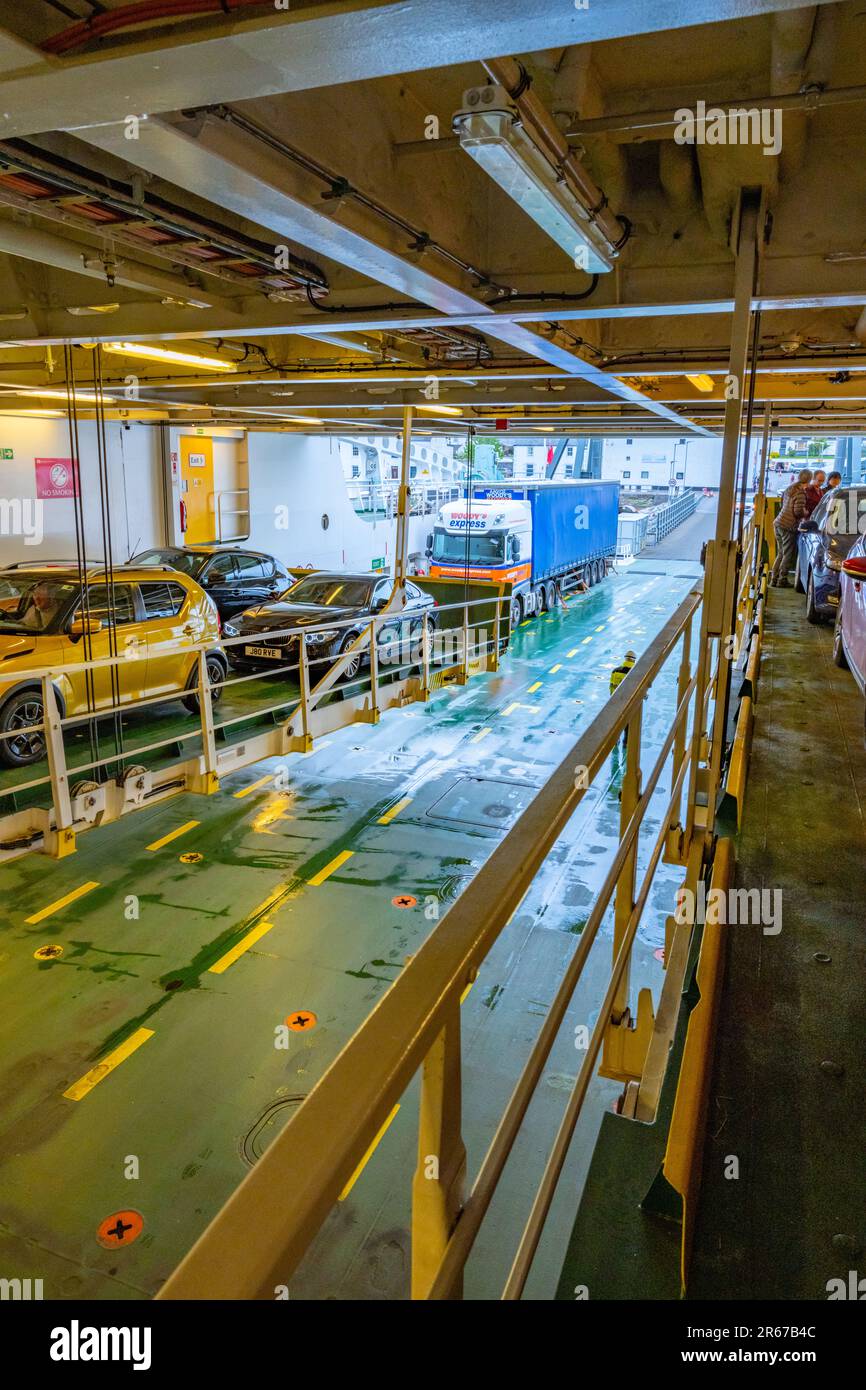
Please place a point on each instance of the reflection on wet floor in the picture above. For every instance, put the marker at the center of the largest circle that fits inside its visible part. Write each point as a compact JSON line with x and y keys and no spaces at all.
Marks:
{"x":303,"y":886}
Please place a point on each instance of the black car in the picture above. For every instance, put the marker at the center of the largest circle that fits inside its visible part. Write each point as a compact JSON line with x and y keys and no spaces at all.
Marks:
{"x":235,"y":579}
{"x":311,"y":606}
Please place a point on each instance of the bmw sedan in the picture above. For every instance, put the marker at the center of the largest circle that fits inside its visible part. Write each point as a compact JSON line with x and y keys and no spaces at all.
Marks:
{"x":824,"y":540}
{"x":329,"y":611}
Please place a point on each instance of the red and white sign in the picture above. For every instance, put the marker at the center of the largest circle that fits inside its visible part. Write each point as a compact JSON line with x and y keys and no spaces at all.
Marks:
{"x":56,"y":478}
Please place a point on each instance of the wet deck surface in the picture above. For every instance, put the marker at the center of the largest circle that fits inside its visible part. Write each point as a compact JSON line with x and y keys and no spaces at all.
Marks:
{"x":787,"y":1098}
{"x":205,"y":1089}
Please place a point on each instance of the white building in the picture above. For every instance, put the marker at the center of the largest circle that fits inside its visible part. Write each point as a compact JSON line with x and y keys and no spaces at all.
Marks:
{"x":638,"y":464}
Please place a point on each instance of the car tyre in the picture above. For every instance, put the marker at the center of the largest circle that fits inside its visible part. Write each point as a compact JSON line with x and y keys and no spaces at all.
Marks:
{"x":812,"y":614}
{"x":19,"y":712}
{"x":516,"y":611}
{"x":353,"y":666}
{"x":839,"y":657}
{"x":216,"y":674}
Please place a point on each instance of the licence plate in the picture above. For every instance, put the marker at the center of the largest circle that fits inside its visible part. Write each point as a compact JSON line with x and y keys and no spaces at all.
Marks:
{"x":273,"y":652}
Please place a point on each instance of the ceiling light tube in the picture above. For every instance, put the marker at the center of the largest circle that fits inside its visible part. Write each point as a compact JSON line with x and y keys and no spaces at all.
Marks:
{"x":440,"y":409}
{"x":701,"y":381}
{"x":152,"y":352}
{"x":490,"y":132}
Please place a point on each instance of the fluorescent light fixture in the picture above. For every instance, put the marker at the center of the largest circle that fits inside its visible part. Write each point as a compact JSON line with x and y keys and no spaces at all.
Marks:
{"x":701,"y":381}
{"x":79,"y":397}
{"x":440,"y":409}
{"x":489,"y":131}
{"x":301,"y":419}
{"x":153,"y":353}
{"x":84,"y":309}
{"x":43,"y":414}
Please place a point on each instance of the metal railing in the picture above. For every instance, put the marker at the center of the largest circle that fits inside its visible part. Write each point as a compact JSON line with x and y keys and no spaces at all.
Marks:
{"x":382,"y":673}
{"x":372,"y":498}
{"x":239,"y":512}
{"x":416,"y":1026}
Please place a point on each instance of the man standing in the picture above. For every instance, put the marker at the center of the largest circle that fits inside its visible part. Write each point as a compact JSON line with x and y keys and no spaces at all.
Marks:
{"x":815,"y":490}
{"x":791,"y":513}
{"x":833,"y":480}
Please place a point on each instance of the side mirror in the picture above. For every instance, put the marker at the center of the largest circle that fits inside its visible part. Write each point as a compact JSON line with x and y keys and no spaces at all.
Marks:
{"x":379,"y":604}
{"x":80,"y":627}
{"x":855,"y":567}
{"x":515,"y":548}
{"x":429,"y":546}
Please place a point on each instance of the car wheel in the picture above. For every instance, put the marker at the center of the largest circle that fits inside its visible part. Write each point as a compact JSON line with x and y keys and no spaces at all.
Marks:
{"x":798,"y":583}
{"x":19,"y":713}
{"x":353,"y":665}
{"x":812,"y":614}
{"x":516,"y":611}
{"x":216,"y":674}
{"x":839,"y":657}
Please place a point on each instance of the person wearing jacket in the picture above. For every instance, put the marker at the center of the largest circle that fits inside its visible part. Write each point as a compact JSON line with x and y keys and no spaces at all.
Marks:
{"x":617,"y":676}
{"x":815,"y":490}
{"x":793,"y":509}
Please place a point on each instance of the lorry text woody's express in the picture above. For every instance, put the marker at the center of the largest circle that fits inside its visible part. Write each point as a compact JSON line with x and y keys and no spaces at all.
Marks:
{"x":544,"y":538}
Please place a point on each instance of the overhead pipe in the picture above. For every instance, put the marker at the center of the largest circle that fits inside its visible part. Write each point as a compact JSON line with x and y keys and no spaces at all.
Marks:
{"x":654,"y":125}
{"x":541,"y":126}
{"x":35,"y":245}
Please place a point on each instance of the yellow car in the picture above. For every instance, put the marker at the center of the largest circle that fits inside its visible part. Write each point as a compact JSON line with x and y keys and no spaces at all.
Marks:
{"x":45,"y":622}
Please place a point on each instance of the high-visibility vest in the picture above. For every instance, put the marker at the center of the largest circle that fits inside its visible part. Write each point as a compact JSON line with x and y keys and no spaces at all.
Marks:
{"x":618,"y":675}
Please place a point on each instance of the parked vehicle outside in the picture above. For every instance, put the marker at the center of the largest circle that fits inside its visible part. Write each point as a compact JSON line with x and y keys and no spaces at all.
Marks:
{"x":312,"y":608}
{"x":849,"y":637}
{"x":236,"y":579}
{"x":823,"y":541}
{"x":49,"y":619}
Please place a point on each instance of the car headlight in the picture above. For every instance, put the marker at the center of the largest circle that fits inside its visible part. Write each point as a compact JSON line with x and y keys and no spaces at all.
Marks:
{"x":317,"y":637}
{"x":229,"y":630}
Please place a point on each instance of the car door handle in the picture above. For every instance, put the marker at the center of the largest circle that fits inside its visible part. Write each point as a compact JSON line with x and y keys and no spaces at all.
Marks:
{"x":189,"y":629}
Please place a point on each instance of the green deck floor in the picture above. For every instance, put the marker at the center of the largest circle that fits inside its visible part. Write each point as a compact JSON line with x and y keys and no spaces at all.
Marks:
{"x":787,"y":1097}
{"x":207,"y":1090}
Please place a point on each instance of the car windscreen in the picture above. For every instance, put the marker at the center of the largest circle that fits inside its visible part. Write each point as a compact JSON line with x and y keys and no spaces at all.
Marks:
{"x":844,"y":513}
{"x":180,"y":560}
{"x":332,"y":592}
{"x":482,"y":549}
{"x":33,"y":603}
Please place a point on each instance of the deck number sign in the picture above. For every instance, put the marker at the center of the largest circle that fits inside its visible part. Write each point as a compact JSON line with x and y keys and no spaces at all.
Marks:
{"x":56,"y":478}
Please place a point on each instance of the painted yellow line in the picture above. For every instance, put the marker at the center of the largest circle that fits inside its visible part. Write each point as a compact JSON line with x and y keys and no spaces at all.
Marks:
{"x":395,"y":810}
{"x":553,"y":670}
{"x":585,"y":640}
{"x":173,"y":835}
{"x":526,"y":623}
{"x":254,"y":786}
{"x":220,"y":966}
{"x":61,"y":902}
{"x":100,"y":1071}
{"x":573,"y":652}
{"x":331,"y":868}
{"x":482,"y":733}
{"x":509,"y":709}
{"x":532,"y":689}
{"x":600,"y":627}
{"x":366,"y":1159}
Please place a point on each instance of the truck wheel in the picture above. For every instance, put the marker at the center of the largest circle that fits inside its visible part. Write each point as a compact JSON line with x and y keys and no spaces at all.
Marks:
{"x":588,"y":576}
{"x":543,"y":601}
{"x":516,"y":611}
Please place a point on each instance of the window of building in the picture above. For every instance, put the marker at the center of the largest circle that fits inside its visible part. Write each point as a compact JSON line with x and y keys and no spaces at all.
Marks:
{"x":530,"y":470}
{"x":356,"y":470}
{"x":569,"y":470}
{"x":626,"y":472}
{"x":679,"y":476}
{"x":629,"y":441}
{"x":645,"y":473}
{"x":355,"y":451}
{"x":530,"y":451}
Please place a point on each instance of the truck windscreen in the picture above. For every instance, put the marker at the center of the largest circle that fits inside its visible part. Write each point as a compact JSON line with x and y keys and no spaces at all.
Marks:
{"x":483,"y":550}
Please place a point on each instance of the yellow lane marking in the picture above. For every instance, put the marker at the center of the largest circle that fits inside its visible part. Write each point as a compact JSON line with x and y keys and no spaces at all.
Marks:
{"x":172,"y":835}
{"x":331,"y":868}
{"x":526,"y":623}
{"x":221,"y":965}
{"x":573,"y":652}
{"x":395,"y":810}
{"x":482,"y":733}
{"x":61,"y":902}
{"x":254,"y":786}
{"x":367,"y":1156}
{"x":100,"y":1071}
{"x":600,"y":627}
{"x":509,"y":709}
{"x":585,"y":640}
{"x":553,"y":670}
{"x":532,"y":689}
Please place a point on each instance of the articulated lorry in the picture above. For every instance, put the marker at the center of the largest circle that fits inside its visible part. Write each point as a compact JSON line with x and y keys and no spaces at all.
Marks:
{"x":545,"y":538}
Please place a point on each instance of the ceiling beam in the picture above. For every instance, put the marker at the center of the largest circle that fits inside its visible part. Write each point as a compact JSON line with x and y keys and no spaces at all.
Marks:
{"x":320,"y":46}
